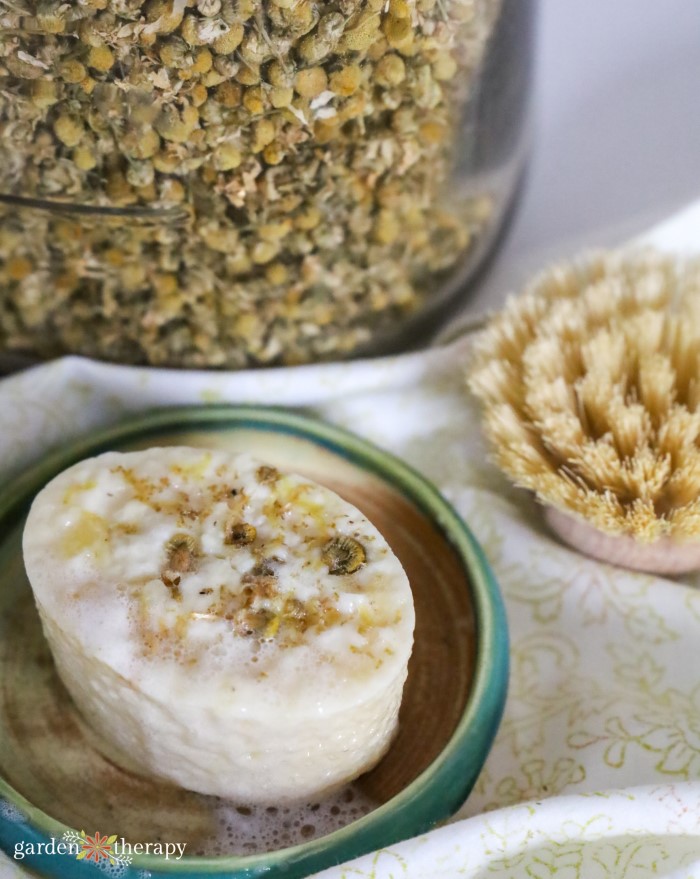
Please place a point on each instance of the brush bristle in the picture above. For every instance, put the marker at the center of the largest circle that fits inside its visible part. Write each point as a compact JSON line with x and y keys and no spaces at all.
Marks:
{"x":591,"y":389}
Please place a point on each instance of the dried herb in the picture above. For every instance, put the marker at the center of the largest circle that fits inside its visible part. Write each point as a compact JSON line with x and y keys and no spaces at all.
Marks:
{"x":284,"y":165}
{"x":344,"y":555}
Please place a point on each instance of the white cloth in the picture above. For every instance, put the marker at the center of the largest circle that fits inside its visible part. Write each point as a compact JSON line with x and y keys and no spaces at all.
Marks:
{"x":595,"y":771}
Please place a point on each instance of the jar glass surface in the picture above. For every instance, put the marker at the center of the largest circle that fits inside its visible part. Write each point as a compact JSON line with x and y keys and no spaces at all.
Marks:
{"x":230,"y":183}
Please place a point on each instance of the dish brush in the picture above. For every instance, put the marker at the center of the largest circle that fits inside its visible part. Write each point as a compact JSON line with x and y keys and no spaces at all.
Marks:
{"x":590,"y":383}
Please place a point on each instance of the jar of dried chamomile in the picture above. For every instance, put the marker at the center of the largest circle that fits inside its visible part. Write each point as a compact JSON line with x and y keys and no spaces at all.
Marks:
{"x":230,"y":183}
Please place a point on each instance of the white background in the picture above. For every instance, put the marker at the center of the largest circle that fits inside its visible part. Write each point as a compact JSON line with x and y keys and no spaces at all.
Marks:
{"x":616,"y":110}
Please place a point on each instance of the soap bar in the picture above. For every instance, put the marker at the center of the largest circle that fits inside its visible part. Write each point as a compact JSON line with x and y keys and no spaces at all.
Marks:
{"x":233,"y":629}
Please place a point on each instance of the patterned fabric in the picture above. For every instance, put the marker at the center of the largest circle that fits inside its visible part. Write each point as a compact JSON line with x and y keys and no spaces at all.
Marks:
{"x":596,"y":768}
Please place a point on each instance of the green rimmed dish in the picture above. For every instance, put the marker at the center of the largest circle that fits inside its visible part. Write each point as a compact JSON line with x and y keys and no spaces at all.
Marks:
{"x":52,"y":778}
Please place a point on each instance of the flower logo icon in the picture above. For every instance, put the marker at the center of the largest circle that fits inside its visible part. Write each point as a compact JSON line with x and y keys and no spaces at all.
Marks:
{"x":94,"y":848}
{"x":98,"y":847}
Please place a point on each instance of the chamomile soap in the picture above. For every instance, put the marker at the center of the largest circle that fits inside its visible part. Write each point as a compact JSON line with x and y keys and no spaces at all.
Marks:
{"x":233,"y":629}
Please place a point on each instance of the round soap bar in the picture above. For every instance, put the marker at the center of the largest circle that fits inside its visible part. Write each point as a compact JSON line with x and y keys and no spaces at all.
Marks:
{"x":233,"y":629}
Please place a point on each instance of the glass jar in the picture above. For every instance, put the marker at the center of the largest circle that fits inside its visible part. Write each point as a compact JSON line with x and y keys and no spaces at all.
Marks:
{"x":228,"y":183}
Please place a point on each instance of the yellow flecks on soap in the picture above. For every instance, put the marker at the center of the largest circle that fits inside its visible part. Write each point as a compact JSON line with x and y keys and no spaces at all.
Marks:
{"x":196,"y":469}
{"x":297,"y":497}
{"x":272,"y":627}
{"x":89,"y":533}
{"x":71,"y":492}
{"x":143,"y":488}
{"x":126,"y":528}
{"x":366,"y":619}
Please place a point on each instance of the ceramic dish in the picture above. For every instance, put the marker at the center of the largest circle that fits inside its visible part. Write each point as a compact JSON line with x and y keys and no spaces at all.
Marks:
{"x":53,"y":778}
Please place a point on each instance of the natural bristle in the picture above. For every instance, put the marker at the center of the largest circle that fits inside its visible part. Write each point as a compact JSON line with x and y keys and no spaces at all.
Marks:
{"x":591,"y":389}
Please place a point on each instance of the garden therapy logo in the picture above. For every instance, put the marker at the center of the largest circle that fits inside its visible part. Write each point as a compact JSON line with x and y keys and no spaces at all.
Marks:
{"x":103,"y":850}
{"x":97,"y":847}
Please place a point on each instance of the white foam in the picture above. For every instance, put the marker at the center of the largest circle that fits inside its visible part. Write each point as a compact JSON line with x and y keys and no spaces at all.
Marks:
{"x":251,"y":830}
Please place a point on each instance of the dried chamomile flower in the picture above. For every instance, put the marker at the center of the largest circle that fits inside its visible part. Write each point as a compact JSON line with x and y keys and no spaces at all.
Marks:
{"x":229,"y":40}
{"x":346,"y":81}
{"x":100,"y":58}
{"x":360,"y":32}
{"x":164,"y":16}
{"x":390,"y":70}
{"x":239,"y":533}
{"x":344,"y":555}
{"x":72,"y":70}
{"x":45,"y":93}
{"x":181,"y":554}
{"x":227,"y":156}
{"x":266,"y":474}
{"x":309,"y":83}
{"x":69,"y":130}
